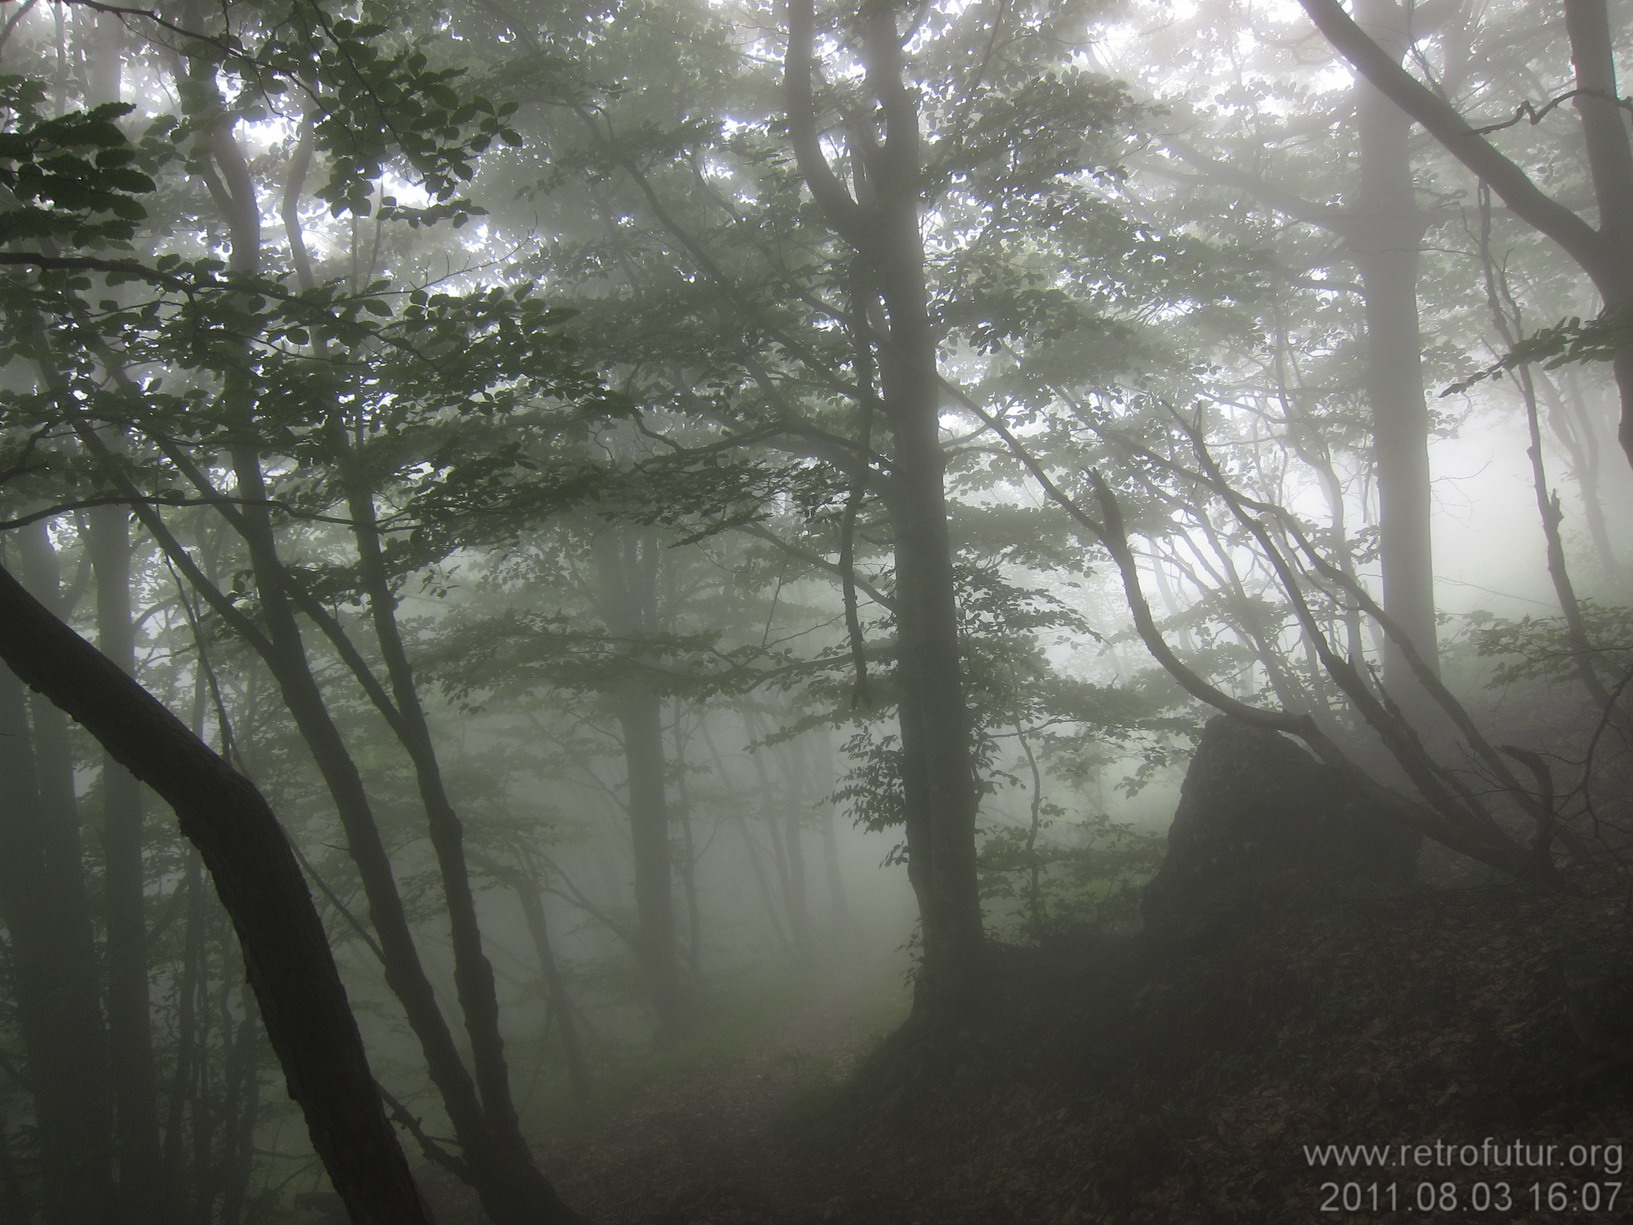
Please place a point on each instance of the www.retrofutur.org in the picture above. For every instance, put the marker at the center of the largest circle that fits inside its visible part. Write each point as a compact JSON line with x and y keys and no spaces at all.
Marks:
{"x":1488,"y":1175}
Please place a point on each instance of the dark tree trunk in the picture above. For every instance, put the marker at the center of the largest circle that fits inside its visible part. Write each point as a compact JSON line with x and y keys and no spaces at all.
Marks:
{"x":497,"y":1163}
{"x":627,"y":561}
{"x":42,"y":890}
{"x":132,"y":1073}
{"x":881,"y":222}
{"x":473,"y":973}
{"x":130,"y":1024}
{"x":286,"y":953}
{"x":640,"y":721}
{"x":56,"y":1004}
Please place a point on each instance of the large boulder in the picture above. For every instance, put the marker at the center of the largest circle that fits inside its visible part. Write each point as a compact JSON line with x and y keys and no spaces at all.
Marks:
{"x":1260,"y":822}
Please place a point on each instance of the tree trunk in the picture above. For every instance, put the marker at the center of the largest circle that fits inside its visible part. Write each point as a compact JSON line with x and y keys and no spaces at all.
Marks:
{"x":130,"y":1024}
{"x":56,"y":1008}
{"x":1386,"y":241}
{"x":882,"y":223}
{"x":53,"y":949}
{"x":799,"y":909}
{"x":640,"y":720}
{"x":687,"y":862}
{"x":626,"y":563}
{"x":785,"y":843}
{"x":473,"y":972}
{"x":555,"y":986}
{"x":496,"y":1160}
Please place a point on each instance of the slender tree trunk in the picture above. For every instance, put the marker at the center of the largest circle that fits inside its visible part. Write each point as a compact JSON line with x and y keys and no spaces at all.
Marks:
{"x":496,"y":1160}
{"x":191,"y":985}
{"x":762,"y":880}
{"x":473,"y":973}
{"x":1571,"y":422}
{"x":790,"y":758}
{"x":132,"y":1074}
{"x":242,"y":1093}
{"x":785,"y":847}
{"x":688,"y":861}
{"x":1386,"y":245}
{"x":130,"y":1024}
{"x":53,"y":953}
{"x":640,"y":720}
{"x":70,"y":1108}
{"x":626,"y":562}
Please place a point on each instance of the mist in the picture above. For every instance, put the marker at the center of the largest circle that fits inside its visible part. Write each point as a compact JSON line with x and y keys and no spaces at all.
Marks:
{"x":704,"y":613}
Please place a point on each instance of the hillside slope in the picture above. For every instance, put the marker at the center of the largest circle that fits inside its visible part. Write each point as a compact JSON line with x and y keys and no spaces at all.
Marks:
{"x":1117,"y":1081}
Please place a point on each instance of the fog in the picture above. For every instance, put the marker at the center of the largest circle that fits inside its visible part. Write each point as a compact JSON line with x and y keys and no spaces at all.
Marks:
{"x":672,"y":561}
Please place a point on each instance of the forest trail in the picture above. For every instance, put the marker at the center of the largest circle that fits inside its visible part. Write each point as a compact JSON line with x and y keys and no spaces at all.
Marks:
{"x":711,"y":1131}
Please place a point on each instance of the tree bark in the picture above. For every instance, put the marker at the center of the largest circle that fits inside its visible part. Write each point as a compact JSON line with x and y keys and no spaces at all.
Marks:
{"x":53,"y":942}
{"x":473,"y":972}
{"x":55,"y":999}
{"x":130,"y":1024}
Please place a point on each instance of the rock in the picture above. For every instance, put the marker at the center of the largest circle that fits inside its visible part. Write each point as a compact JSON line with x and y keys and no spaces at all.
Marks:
{"x":1596,"y":982}
{"x":1261,"y":821}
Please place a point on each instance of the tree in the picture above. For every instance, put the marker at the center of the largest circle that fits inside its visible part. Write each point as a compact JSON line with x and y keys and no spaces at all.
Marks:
{"x":879,"y":218}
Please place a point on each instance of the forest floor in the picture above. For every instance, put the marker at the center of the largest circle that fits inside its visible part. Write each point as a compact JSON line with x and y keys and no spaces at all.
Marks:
{"x":1113,"y":1080}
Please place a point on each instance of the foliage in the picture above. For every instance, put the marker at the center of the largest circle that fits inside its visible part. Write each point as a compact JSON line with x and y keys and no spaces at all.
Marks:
{"x":72,"y":179}
{"x":1568,"y":342}
{"x":1541,"y":648}
{"x":1067,"y":875}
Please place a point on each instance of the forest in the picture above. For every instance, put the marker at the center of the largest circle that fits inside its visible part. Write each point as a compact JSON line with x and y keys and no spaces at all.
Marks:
{"x":706,"y":612}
